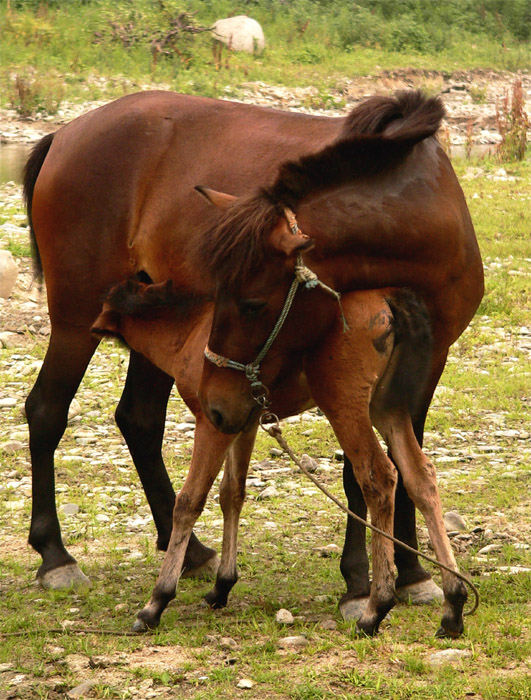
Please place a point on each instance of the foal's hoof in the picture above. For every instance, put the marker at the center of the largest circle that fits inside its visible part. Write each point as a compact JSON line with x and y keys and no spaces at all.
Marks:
{"x":208,"y":570}
{"x":353,"y":609}
{"x":444,"y":633}
{"x":145,"y":622}
{"x":139,"y":626}
{"x":66,"y":576}
{"x":421,"y":593}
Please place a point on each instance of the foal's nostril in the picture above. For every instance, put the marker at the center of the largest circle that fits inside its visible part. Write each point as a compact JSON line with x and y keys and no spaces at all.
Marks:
{"x":216,"y":418}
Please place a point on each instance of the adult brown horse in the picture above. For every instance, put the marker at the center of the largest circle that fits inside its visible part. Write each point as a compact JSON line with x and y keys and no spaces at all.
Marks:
{"x":109,"y":197}
{"x":354,"y":376}
{"x":376,"y":210}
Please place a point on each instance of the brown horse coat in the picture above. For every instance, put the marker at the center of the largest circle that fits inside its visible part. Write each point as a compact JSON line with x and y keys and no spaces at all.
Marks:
{"x":110,"y":197}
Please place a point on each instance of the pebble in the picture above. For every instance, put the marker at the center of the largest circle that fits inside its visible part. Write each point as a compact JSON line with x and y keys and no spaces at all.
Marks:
{"x":11,"y":446}
{"x":328,"y":550}
{"x":297,"y":642}
{"x":8,"y":402}
{"x":309,"y":463}
{"x":329,"y":624}
{"x":269,"y":492}
{"x":82,"y":689}
{"x":228,"y":643}
{"x":70,"y":509}
{"x":448,"y":656}
{"x":284,"y":617}
{"x":454,"y":521}
{"x":245,"y":683}
{"x":489,"y":548}
{"x":276,"y":452}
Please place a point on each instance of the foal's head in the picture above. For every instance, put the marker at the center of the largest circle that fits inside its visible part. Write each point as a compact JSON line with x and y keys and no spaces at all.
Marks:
{"x":253,"y":280}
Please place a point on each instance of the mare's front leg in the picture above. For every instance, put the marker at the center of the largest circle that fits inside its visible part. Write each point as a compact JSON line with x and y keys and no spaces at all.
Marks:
{"x":67,"y":357}
{"x":141,"y":416}
{"x":231,"y":498}
{"x":210,"y":447}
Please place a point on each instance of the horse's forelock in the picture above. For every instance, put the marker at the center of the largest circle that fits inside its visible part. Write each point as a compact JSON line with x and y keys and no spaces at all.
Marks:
{"x":236,"y":245}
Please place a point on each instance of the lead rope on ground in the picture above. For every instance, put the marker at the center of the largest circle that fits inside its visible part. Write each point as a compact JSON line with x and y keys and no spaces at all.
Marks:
{"x":275,"y":432}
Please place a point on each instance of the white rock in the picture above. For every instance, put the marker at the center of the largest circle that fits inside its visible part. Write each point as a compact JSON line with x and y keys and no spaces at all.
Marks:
{"x":453,"y":521}
{"x":245,"y":683}
{"x":240,"y":33}
{"x":70,"y":509}
{"x":284,"y":617}
{"x":448,"y":656}
{"x":269,"y":492}
{"x":8,"y":273}
{"x":297,"y":642}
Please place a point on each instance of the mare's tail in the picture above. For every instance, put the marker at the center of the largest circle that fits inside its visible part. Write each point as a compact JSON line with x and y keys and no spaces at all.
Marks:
{"x":31,"y":172}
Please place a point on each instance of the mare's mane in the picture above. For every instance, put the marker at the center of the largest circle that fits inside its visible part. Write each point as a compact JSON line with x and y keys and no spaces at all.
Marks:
{"x":376,"y":135}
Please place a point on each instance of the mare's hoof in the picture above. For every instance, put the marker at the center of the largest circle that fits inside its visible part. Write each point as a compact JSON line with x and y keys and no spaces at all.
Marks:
{"x":215,"y":601}
{"x":367,"y":629}
{"x":444,"y":633}
{"x":204,"y":571}
{"x":139,"y":626}
{"x":67,"y":576}
{"x":421,"y":593}
{"x":353,"y":609}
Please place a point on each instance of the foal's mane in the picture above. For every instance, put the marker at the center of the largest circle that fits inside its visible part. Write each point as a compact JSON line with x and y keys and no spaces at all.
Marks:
{"x":235,"y":246}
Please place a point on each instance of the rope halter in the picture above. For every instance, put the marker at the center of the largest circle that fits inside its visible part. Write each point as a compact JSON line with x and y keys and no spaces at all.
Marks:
{"x":304,"y":276}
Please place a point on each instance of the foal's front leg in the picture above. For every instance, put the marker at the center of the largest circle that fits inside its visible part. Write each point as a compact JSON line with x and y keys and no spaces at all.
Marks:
{"x":231,"y":497}
{"x":210,"y":447}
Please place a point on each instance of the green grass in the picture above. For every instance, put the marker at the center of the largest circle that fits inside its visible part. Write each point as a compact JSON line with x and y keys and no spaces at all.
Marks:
{"x":53,"y":51}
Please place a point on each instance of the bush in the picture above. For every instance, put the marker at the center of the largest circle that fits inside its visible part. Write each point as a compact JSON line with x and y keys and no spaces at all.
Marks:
{"x":30,"y":94}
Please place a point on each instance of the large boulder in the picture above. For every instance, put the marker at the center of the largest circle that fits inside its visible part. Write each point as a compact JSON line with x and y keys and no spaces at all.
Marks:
{"x":240,"y":33}
{"x":8,"y":273}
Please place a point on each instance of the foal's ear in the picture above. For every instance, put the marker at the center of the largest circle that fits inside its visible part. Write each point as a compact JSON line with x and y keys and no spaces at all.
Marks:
{"x":218,"y":199}
{"x":285,"y":241}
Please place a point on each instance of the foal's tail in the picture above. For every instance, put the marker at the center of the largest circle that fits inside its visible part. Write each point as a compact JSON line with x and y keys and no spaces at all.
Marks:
{"x":413,"y":348}
{"x":31,"y":172}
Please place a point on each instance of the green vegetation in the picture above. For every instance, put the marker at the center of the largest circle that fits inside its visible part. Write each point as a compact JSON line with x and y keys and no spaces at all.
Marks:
{"x":86,"y":49}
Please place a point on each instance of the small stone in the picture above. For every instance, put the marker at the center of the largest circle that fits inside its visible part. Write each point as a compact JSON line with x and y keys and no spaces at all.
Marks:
{"x":70,"y":509}
{"x":8,"y":273}
{"x":5,"y":667}
{"x":74,"y":409}
{"x":453,"y":521}
{"x":284,"y":617}
{"x":448,"y":656}
{"x":489,"y":548}
{"x":8,"y":340}
{"x":82,"y":689}
{"x":228,"y":643}
{"x":329,"y":625}
{"x":245,"y":683}
{"x":309,"y":463}
{"x":276,"y":452}
{"x":102,"y":518}
{"x":328,"y":550}
{"x":8,"y":402}
{"x":11,"y":446}
{"x":298,"y":642}
{"x":269,"y":492}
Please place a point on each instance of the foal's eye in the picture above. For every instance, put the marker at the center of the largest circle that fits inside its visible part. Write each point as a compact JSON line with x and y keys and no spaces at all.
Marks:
{"x":251,"y":307}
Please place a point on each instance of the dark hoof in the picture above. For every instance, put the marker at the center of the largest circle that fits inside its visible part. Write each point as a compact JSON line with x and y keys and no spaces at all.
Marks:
{"x":139,"y":626}
{"x":145,"y":621}
{"x":214,"y":600}
{"x":367,"y":629}
{"x":446,"y":633}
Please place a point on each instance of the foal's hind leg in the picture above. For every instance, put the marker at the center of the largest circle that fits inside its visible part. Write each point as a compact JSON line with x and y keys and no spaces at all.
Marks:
{"x":210,"y":447}
{"x":421,"y":482}
{"x":66,"y":360}
{"x":231,"y":498}
{"x":141,"y":416}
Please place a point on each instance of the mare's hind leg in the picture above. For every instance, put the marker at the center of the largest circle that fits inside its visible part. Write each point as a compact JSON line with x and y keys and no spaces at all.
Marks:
{"x":66,"y":360}
{"x":421,"y":482}
{"x":210,"y":447}
{"x":231,"y":498}
{"x":141,"y":416}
